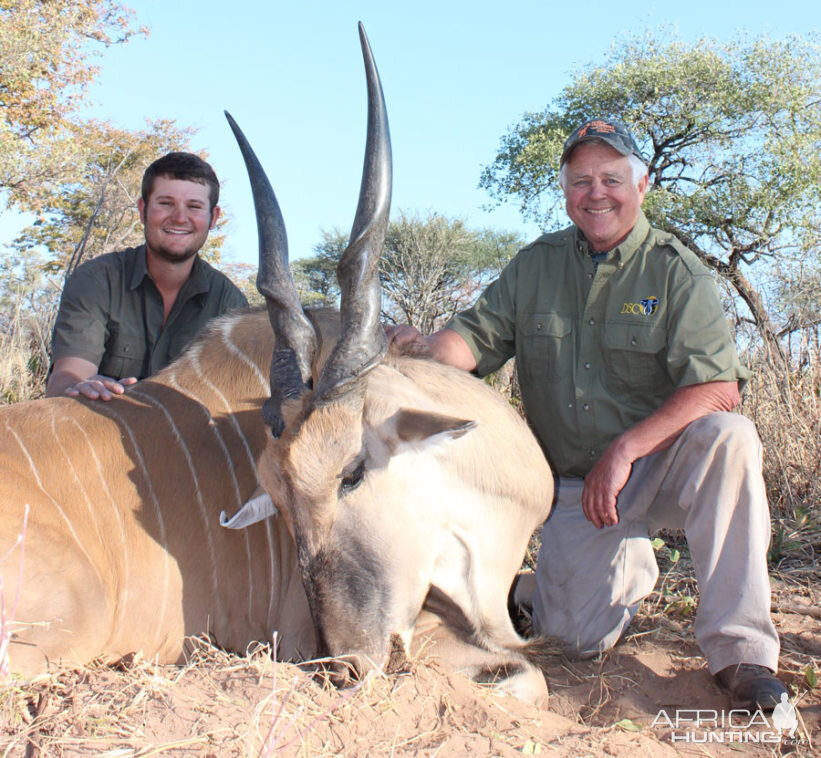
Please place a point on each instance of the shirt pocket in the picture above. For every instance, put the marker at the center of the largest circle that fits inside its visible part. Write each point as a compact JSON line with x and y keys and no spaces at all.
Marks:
{"x":125,"y":355}
{"x":545,"y":350}
{"x":634,"y":358}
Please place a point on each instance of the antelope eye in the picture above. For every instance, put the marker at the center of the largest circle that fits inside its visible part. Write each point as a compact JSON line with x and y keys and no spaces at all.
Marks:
{"x":351,"y":481}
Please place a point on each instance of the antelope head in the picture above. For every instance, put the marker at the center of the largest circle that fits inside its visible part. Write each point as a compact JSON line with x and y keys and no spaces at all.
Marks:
{"x":327,"y":461}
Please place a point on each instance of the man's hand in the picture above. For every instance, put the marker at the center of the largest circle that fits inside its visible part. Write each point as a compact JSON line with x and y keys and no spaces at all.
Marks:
{"x":99,"y":387}
{"x":74,"y":376}
{"x":404,"y":334}
{"x":656,"y":432}
{"x":602,"y":486}
{"x":445,"y":346}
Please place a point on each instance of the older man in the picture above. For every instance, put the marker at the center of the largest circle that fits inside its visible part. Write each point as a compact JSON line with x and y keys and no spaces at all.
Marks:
{"x":629,"y":375}
{"x":125,"y":315}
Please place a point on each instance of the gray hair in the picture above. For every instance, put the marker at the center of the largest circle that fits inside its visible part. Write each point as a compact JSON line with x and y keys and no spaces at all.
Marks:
{"x":637,"y":166}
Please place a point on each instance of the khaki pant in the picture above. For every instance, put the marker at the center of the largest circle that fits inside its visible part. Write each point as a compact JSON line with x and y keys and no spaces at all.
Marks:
{"x":590,"y":581}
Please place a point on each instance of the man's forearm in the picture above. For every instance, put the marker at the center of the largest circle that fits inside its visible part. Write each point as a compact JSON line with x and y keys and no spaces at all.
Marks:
{"x":66,"y":373}
{"x":447,"y":346}
{"x":659,"y":430}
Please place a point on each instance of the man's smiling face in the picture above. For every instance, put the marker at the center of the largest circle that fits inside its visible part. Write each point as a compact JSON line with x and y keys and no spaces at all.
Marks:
{"x":177,"y":218}
{"x":600,"y":195}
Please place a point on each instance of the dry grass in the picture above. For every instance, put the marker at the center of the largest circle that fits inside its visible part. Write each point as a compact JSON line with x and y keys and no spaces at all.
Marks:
{"x":24,"y":354}
{"x":220,"y":704}
{"x":786,"y":409}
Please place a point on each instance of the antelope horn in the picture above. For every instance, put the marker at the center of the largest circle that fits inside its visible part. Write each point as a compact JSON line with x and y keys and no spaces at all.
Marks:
{"x":294,"y":335}
{"x":362,"y":344}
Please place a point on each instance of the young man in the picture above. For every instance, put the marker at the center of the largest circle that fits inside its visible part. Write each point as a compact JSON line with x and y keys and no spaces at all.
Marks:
{"x":628,"y":374}
{"x":125,"y":315}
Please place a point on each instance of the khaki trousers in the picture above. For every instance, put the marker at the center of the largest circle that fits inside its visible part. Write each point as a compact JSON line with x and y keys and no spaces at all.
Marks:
{"x":590,"y":581}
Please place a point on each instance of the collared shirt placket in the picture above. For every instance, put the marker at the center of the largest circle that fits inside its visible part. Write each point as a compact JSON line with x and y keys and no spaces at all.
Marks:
{"x":153,"y":319}
{"x":589,"y":364}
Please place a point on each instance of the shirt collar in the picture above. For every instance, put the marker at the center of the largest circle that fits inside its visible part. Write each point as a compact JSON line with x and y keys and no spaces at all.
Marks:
{"x":139,"y":268}
{"x":196,"y":284}
{"x":624,"y":251}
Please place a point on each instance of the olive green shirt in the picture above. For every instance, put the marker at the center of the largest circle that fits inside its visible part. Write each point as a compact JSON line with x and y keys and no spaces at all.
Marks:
{"x":111,"y":313}
{"x":600,"y":347}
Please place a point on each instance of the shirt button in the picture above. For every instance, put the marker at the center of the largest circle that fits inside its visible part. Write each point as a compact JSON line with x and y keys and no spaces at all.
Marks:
{"x":587,"y":366}
{"x":592,"y":453}
{"x":586,"y":406}
{"x":538,"y":326}
{"x":592,"y":321}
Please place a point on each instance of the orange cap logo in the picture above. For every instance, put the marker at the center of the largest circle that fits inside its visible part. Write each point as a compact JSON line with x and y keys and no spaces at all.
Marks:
{"x":600,"y":126}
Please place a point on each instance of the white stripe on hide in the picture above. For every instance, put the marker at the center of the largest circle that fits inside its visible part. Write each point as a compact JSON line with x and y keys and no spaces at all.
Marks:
{"x":107,"y":410}
{"x":124,"y":588}
{"x":226,"y":327}
{"x":194,"y":356}
{"x":200,"y":504}
{"x":62,"y":513}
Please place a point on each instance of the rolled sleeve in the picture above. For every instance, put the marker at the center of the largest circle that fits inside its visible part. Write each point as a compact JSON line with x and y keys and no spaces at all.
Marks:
{"x":700,"y":347}
{"x":489,"y":327}
{"x":81,"y":326}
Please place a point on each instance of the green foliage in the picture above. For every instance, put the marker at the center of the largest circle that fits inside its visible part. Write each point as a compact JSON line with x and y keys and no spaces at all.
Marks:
{"x":45,"y":66}
{"x":731,"y":132}
{"x":811,"y":676}
{"x":431,"y":268}
{"x":315,"y":277}
{"x":683,"y":606}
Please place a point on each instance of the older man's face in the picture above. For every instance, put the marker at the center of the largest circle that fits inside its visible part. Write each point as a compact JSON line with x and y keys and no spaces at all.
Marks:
{"x":600,"y":196}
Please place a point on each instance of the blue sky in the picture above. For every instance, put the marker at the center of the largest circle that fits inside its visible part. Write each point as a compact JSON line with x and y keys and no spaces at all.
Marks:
{"x":456,"y":75}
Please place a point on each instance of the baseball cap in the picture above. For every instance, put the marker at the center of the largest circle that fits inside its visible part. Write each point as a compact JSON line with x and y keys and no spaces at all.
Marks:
{"x":614,"y":133}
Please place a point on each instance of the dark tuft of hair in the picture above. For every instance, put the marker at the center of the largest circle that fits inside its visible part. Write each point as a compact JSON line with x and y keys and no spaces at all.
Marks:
{"x":186,"y":167}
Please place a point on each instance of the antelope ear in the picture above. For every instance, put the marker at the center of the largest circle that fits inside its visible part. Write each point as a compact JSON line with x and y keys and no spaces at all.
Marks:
{"x":258,"y":508}
{"x":415,"y":426}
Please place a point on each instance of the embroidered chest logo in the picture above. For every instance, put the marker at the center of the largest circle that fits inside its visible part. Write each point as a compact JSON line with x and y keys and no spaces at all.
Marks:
{"x":647,"y":306}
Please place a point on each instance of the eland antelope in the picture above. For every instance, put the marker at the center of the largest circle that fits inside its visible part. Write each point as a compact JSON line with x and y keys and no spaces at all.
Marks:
{"x":406,"y":490}
{"x":123,"y":549}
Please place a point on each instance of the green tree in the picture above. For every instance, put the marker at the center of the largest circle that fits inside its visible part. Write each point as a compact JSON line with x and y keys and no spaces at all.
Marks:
{"x":431,"y":268}
{"x":46,"y":49}
{"x":315,"y":277}
{"x":731,"y":132}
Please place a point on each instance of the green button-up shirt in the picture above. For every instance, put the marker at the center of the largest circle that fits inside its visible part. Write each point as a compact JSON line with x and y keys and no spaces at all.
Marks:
{"x":111,"y":314}
{"x":599,"y":347}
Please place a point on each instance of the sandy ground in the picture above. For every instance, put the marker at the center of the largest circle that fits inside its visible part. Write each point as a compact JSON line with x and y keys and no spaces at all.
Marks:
{"x":226,"y":705}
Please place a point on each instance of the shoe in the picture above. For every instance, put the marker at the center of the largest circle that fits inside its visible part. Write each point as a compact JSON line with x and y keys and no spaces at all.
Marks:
{"x":751,"y":687}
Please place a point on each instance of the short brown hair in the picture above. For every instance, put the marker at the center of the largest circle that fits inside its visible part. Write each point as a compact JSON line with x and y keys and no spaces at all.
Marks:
{"x":185,"y":166}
